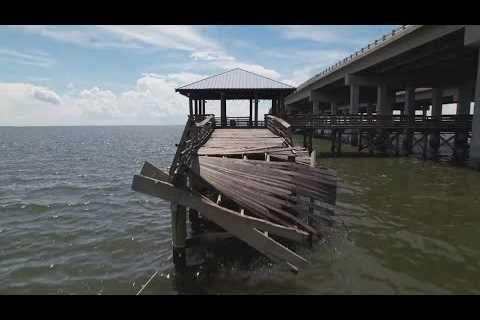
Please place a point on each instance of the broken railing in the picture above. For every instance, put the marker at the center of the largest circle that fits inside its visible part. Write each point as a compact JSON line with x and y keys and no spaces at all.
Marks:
{"x":279,"y":127}
{"x":266,"y":204}
{"x":196,"y":132}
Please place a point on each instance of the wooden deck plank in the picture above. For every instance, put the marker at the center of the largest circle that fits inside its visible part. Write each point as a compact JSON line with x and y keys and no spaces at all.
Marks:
{"x":244,"y":141}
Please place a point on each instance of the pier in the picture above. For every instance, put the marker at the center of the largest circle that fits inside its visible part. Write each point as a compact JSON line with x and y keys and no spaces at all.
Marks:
{"x":242,"y":177}
{"x":390,"y":95}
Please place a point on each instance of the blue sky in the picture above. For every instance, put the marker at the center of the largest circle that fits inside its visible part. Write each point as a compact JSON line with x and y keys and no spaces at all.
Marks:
{"x":126,"y":75}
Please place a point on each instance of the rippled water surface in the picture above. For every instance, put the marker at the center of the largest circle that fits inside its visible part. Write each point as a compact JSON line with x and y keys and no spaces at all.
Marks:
{"x":69,"y":223}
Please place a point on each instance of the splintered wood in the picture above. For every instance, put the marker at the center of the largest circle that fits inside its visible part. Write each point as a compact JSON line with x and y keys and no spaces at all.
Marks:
{"x":261,"y":202}
{"x":247,"y":141}
{"x":269,"y":190}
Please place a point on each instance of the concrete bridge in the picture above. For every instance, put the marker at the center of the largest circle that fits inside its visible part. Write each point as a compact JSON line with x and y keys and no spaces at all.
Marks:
{"x":415,"y":68}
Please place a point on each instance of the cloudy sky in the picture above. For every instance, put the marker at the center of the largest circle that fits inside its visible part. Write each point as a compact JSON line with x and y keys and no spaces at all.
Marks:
{"x":127,"y":75}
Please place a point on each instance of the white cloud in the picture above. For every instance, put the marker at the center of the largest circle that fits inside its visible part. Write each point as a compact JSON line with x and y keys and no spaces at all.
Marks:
{"x":46,"y":95}
{"x":33,"y":59}
{"x":168,"y":37}
{"x":323,"y":34}
{"x":87,"y":36}
{"x":174,"y":37}
{"x":152,"y":100}
{"x":187,"y":38}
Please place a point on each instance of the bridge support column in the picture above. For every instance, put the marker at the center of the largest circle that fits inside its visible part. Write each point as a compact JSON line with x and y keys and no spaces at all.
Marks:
{"x":333,"y":108}
{"x":384,"y":108}
{"x":436,"y":113}
{"x":409,"y":111}
{"x":475,"y":143}
{"x":316,"y":107}
{"x":463,"y":109}
{"x":354,"y":106}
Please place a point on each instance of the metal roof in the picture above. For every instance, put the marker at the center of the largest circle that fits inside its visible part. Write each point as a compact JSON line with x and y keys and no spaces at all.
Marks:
{"x":236,"y":79}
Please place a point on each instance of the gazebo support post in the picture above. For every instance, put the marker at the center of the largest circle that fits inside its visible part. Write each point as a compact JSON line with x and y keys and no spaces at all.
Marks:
{"x":256,"y":112}
{"x":190,"y":106}
{"x":223,"y":110}
{"x":250,"y":114}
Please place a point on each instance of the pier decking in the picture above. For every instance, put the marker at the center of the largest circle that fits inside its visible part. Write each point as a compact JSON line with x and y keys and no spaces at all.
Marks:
{"x":240,"y":142}
{"x":246,"y":177}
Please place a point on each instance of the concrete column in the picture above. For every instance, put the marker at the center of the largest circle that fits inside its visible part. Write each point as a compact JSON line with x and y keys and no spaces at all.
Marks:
{"x":436,"y":102}
{"x":384,"y":100}
{"x":464,"y":100}
{"x":333,"y":106}
{"x":316,"y":107}
{"x":196,"y":106}
{"x":384,"y":108}
{"x":409,"y":107}
{"x":354,"y":98}
{"x":436,"y":112}
{"x":223,"y":110}
{"x":463,"y":109}
{"x":475,"y":142}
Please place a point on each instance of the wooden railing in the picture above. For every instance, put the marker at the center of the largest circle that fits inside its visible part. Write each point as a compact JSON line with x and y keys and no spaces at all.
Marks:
{"x":239,"y":122}
{"x":444,"y":122}
{"x":196,"y":132}
{"x":279,"y":127}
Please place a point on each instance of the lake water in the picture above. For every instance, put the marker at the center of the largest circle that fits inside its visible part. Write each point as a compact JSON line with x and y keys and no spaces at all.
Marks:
{"x":70,"y":223}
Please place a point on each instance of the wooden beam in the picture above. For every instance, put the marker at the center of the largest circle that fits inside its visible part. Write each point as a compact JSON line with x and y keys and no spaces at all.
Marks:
{"x":212,"y":211}
{"x":241,"y":226}
{"x":256,"y":112}
{"x":208,"y":237}
{"x":149,"y":170}
{"x":250,"y":114}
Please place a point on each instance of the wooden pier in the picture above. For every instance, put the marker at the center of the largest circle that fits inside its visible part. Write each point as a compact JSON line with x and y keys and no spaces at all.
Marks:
{"x":397,"y":135}
{"x":243,"y":179}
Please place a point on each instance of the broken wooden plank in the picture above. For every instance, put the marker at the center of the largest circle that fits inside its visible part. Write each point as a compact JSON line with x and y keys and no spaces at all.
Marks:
{"x":243,"y":227}
{"x":208,"y":208}
{"x":149,"y":170}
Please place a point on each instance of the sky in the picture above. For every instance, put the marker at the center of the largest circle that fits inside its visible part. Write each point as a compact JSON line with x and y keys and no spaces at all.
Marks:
{"x":127,"y":75}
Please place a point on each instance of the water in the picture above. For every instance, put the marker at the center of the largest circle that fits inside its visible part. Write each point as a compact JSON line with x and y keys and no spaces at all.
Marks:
{"x":70,"y":224}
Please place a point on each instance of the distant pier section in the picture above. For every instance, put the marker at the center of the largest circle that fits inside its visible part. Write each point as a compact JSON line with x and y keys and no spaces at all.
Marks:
{"x":388,"y":96}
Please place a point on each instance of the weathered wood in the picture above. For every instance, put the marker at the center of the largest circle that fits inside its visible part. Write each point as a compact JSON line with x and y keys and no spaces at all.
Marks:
{"x":207,"y":237}
{"x":149,"y":170}
{"x":209,"y":209}
{"x":241,"y":226}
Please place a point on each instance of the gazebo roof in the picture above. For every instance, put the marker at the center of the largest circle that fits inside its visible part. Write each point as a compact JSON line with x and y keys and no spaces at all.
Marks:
{"x":236,"y":82}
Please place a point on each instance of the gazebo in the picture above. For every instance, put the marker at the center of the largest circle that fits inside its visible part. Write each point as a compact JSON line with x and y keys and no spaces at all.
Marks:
{"x":236,"y":84}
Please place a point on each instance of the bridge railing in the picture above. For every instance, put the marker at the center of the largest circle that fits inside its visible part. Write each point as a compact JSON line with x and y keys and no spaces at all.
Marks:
{"x":395,"y":33}
{"x":239,"y":122}
{"x":280,"y":127}
{"x":444,"y":122}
